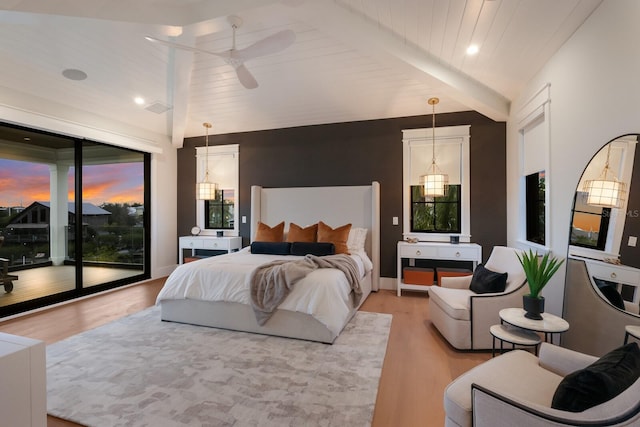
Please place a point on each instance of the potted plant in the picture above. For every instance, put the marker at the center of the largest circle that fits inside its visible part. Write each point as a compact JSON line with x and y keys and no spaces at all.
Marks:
{"x":538,"y":272}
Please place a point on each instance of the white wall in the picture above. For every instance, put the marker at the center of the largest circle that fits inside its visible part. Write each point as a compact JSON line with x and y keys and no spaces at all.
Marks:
{"x":595,"y":97}
{"x":31,"y":112}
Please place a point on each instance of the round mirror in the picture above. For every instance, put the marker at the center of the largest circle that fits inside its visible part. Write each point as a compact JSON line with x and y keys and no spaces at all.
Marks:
{"x":605,"y":224}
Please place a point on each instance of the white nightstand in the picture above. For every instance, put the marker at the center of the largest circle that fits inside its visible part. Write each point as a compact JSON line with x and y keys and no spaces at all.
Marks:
{"x":211,"y":243}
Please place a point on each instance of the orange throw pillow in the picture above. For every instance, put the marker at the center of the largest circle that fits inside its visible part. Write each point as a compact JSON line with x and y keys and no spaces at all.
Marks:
{"x":299,"y":234}
{"x":338,"y":236}
{"x":269,"y":234}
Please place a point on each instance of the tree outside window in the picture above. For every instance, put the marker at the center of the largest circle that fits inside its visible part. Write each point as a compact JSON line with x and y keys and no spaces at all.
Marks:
{"x":435,"y":214}
{"x":219,"y":213}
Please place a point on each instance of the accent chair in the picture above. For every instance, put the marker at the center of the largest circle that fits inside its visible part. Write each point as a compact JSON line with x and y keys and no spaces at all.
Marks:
{"x":463,"y":316}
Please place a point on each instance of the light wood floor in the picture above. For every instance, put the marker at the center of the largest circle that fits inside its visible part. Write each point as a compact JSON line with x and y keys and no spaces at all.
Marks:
{"x":417,"y":367}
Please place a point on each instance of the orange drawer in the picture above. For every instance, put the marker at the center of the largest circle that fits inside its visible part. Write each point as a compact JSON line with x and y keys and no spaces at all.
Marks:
{"x":418,"y":276}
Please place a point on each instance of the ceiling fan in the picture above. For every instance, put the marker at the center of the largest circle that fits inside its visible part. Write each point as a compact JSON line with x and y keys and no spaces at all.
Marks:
{"x":236,"y":57}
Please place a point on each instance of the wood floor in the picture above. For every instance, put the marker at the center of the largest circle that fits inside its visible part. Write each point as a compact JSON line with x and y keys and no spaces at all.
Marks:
{"x":417,"y":367}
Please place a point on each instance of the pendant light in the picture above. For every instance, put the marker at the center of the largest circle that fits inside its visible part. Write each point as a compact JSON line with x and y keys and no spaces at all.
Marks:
{"x":206,"y":190}
{"x":606,"y":191}
{"x":435,"y":182}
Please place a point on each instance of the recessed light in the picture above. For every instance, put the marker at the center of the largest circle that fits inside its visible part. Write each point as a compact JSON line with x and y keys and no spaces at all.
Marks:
{"x":138,"y":100}
{"x":473,"y":49}
{"x":74,"y":74}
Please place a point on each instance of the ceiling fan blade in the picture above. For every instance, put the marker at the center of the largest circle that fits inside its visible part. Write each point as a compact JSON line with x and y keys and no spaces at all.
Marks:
{"x":183,"y":47}
{"x":245,"y":77}
{"x":271,"y":44}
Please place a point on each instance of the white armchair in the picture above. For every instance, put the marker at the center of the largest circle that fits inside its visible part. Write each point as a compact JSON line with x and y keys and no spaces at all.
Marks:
{"x":517,"y":389}
{"x":464,"y":317}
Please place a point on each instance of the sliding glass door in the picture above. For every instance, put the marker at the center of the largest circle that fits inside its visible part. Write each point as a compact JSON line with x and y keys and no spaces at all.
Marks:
{"x":72,"y":217}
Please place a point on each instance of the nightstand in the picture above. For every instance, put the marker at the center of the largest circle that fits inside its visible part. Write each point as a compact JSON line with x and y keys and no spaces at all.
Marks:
{"x":210,"y":243}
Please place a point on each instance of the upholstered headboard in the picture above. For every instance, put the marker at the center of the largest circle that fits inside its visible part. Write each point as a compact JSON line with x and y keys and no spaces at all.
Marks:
{"x":335,"y":206}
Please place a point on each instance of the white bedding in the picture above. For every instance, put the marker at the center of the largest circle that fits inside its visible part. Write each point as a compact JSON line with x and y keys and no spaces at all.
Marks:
{"x":324,"y":293}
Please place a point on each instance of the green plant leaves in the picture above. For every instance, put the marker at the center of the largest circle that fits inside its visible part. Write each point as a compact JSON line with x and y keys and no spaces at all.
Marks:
{"x":538,"y":270}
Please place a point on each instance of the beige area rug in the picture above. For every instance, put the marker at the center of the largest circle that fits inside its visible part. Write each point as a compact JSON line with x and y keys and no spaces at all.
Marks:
{"x":140,"y":371}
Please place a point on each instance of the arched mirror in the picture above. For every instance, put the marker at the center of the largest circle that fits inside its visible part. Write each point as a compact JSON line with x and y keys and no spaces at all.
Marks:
{"x":602,"y":292}
{"x":605,"y":224}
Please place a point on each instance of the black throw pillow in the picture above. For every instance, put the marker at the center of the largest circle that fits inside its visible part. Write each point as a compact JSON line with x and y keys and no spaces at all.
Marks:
{"x":313,"y":248}
{"x":271,"y":248}
{"x":599,"y":382}
{"x":485,"y":281}
{"x":608,"y":289}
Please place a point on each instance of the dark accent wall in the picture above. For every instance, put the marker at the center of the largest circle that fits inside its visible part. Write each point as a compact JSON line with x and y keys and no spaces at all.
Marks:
{"x":357,"y":153}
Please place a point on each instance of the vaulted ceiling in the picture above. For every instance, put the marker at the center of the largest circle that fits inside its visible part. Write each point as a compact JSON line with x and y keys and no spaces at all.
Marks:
{"x":351,"y":59}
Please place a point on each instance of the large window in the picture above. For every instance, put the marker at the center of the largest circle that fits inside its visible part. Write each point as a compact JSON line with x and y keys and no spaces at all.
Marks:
{"x":72,"y":217}
{"x":435,"y":214}
{"x":436,"y":219}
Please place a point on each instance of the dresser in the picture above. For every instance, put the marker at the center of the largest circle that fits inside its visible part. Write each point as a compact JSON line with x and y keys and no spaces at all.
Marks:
{"x":436,"y":251}
{"x":209,"y":243}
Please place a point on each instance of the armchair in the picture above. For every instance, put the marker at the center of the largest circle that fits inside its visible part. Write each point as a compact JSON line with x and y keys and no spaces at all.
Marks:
{"x":517,"y":388}
{"x":464,"y":317}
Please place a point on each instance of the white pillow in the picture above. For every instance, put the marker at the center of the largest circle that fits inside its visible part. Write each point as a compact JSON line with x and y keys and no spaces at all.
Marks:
{"x":356,"y":240}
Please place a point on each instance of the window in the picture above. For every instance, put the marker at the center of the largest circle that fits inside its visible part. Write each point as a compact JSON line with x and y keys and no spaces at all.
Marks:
{"x":219,"y":213}
{"x":590,"y":224}
{"x":535,"y":195}
{"x":534,"y":133}
{"x":436,"y":219}
{"x":435,"y":214}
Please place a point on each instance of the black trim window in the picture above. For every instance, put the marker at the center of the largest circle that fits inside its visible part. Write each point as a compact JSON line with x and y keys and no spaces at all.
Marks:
{"x":219,"y":213}
{"x":435,"y":214}
{"x":535,"y":207}
{"x":589,"y":224}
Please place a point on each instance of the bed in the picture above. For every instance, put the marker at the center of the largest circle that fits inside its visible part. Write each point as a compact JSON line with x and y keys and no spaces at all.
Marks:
{"x":188,"y":297}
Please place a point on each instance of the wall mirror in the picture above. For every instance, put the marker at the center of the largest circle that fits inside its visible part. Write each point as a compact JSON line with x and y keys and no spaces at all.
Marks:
{"x":605,"y":223}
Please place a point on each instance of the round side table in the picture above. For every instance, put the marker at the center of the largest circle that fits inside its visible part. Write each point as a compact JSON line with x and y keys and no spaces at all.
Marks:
{"x":514,"y":336}
{"x":549,"y":325}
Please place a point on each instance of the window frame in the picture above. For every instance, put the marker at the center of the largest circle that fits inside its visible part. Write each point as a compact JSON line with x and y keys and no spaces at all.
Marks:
{"x":535,"y":115}
{"x":418,"y":138}
{"x":230,"y":155}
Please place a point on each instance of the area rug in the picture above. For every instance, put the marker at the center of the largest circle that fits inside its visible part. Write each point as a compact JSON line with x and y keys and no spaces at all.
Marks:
{"x":140,"y":371}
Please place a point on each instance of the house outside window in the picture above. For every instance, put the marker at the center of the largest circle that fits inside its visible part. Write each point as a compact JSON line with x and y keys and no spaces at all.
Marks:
{"x":590,"y":224}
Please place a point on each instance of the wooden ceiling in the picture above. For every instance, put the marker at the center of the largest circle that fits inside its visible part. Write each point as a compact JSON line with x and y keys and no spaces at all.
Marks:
{"x":351,"y":60}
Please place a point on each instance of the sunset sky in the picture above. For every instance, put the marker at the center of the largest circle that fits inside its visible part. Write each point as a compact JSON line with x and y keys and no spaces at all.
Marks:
{"x":23,"y":183}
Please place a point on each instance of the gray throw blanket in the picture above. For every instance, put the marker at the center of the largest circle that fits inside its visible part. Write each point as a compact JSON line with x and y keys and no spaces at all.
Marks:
{"x":271,"y":283}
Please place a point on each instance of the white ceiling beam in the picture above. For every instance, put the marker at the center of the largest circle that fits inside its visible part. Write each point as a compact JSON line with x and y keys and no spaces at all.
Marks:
{"x":364,"y":35}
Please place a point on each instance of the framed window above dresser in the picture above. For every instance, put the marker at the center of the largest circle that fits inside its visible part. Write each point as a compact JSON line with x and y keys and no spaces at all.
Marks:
{"x":220,"y":214}
{"x":436,"y":218}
